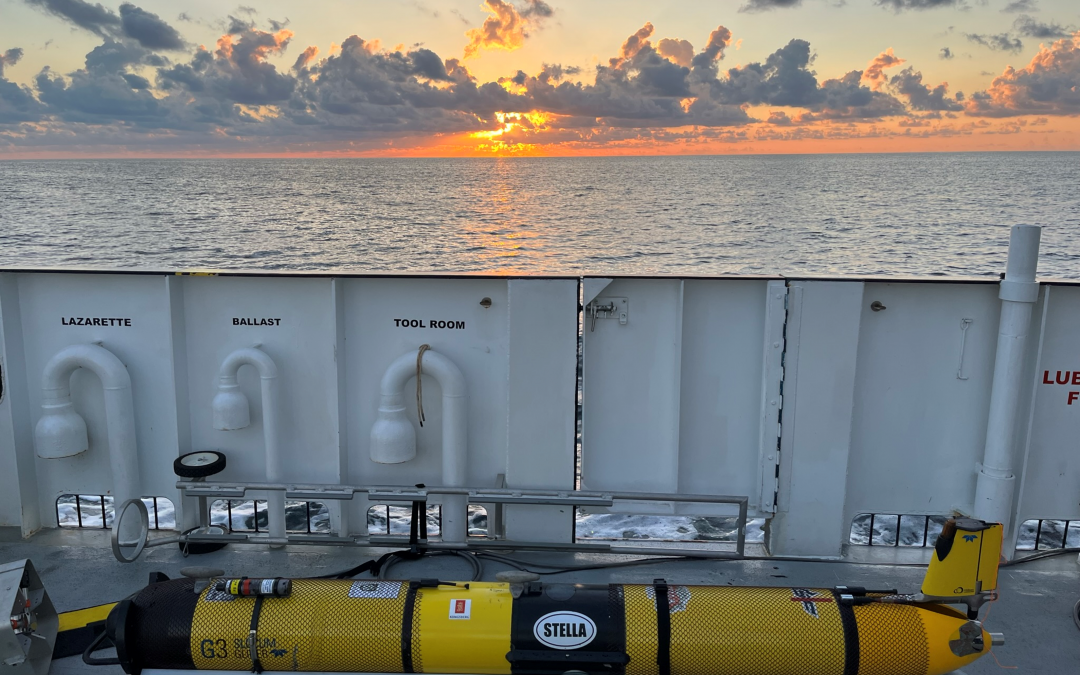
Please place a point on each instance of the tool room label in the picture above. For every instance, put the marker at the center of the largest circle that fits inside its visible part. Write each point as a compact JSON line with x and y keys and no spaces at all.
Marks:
{"x":429,"y":323}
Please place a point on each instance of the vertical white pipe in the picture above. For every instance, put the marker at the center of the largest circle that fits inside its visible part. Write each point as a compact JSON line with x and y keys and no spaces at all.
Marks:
{"x":455,"y":517}
{"x":1018,"y":293}
{"x":393,"y":439}
{"x":119,"y":414}
{"x":268,"y":375}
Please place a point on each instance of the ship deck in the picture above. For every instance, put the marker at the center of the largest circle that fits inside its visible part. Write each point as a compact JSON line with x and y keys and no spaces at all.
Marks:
{"x":1034,"y":611}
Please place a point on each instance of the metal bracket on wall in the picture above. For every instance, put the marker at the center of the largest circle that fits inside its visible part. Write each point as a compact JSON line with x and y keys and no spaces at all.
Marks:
{"x":608,"y":308}
{"x":964,"y":324}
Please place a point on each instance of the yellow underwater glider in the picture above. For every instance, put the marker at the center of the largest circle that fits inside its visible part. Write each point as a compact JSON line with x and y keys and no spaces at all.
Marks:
{"x":430,"y":626}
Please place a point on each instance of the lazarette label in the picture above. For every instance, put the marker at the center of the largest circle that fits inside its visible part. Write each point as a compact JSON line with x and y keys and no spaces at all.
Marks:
{"x":564,"y":630}
{"x":93,"y":321}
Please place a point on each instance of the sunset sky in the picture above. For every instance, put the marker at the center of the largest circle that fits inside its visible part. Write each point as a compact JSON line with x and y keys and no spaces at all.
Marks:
{"x":536,"y":77}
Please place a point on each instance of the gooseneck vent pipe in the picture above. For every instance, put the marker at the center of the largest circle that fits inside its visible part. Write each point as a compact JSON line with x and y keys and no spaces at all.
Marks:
{"x":232,"y":411}
{"x":1018,"y":293}
{"x":393,"y":437}
{"x":61,"y":432}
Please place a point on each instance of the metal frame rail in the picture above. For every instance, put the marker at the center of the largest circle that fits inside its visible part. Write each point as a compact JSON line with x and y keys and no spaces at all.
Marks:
{"x":410,"y":495}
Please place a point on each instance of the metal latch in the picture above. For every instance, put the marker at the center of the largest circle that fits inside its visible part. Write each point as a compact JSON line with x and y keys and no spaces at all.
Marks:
{"x":608,"y":308}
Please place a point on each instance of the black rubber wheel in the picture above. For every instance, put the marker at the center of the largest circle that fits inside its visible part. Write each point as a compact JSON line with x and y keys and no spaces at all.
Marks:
{"x":1076,"y":613}
{"x":199,"y":464}
{"x":199,"y":548}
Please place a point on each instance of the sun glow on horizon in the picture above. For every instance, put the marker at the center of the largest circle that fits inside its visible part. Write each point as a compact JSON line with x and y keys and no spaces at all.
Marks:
{"x":494,"y":141}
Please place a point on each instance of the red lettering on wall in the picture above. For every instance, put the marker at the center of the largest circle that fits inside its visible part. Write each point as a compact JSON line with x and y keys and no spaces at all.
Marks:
{"x":1061,"y":380}
{"x":1046,"y":377}
{"x":1073,"y":395}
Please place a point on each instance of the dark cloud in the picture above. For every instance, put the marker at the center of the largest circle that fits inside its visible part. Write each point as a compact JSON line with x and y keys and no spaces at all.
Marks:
{"x":1048,"y":85}
{"x":237,"y":71}
{"x":135,"y":81}
{"x":148,"y":29}
{"x":846,"y":98}
{"x":765,"y":5}
{"x":1017,"y":6}
{"x":901,"y":5}
{"x":361,"y":88}
{"x":780,"y":119}
{"x":908,"y":83}
{"x":10,"y":58}
{"x":428,"y":64}
{"x":17,"y":102}
{"x":1002,"y":42}
{"x":640,"y":87}
{"x":95,"y":18}
{"x":239,"y":93}
{"x":537,"y":8}
{"x":945,"y":53}
{"x":99,"y":97}
{"x":551,"y":72}
{"x":114,"y":57}
{"x":1027,"y":26}
{"x":784,"y":79}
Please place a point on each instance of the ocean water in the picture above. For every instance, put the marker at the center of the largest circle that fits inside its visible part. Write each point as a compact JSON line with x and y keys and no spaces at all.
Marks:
{"x":879,"y":214}
{"x":940,"y":214}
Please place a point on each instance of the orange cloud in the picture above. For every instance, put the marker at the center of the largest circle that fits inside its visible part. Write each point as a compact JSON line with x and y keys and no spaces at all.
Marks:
{"x":633,"y":44}
{"x":306,"y":57}
{"x":873,"y":73}
{"x":719,"y":40}
{"x":507,"y":27}
{"x":1049,"y":85}
{"x":679,"y":51}
{"x":258,"y":46}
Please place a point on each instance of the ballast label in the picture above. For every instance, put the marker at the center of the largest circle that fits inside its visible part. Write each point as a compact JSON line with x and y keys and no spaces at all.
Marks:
{"x":244,"y":321}
{"x":460,"y":609}
{"x":564,"y":630}
{"x":450,"y":324}
{"x":93,"y":321}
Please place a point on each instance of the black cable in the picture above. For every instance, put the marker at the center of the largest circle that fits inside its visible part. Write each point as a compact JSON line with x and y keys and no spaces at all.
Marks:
{"x":379,"y":566}
{"x":513,"y":562}
{"x":562,"y":569}
{"x":473,"y":560}
{"x":1050,"y":553}
{"x":374,"y":565}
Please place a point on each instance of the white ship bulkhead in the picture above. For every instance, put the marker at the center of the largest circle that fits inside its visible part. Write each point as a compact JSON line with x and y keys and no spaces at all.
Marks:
{"x":815,"y":399}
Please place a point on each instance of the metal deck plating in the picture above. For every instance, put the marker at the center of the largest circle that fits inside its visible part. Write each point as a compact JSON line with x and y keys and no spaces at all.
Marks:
{"x":79,"y":570}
